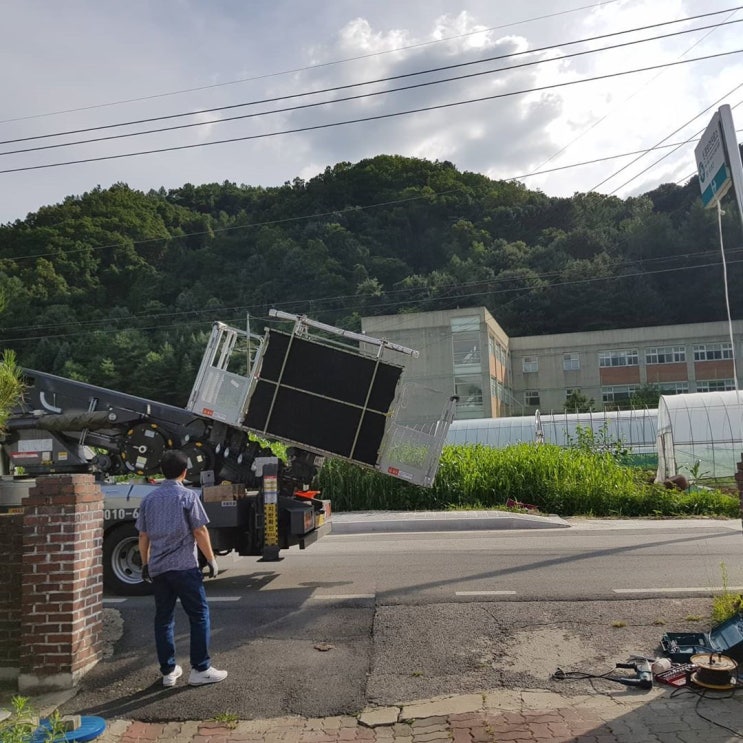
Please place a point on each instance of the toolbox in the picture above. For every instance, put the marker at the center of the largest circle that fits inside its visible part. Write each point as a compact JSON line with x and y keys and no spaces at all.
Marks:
{"x":725,"y":638}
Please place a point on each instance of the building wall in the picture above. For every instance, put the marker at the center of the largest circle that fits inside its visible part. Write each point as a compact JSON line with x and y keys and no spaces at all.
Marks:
{"x":536,"y":372}
{"x":444,"y":367}
{"x":592,"y":379}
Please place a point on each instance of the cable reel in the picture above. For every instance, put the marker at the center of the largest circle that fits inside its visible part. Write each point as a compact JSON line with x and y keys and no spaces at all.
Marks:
{"x":144,"y":445}
{"x":714,"y":671}
{"x":200,"y":457}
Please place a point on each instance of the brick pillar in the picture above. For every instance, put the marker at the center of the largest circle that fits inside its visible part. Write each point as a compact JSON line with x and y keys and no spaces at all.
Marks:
{"x":11,"y":551}
{"x":62,"y":592}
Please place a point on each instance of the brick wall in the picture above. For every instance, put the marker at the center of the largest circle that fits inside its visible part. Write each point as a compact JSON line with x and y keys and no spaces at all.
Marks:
{"x":62,"y":582}
{"x":11,"y":550}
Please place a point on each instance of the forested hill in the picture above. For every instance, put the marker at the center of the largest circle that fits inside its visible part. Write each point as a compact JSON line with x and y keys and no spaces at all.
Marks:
{"x":119,"y":287}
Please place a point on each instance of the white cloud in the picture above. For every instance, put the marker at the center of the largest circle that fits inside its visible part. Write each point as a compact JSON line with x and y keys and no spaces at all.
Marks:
{"x":87,"y":53}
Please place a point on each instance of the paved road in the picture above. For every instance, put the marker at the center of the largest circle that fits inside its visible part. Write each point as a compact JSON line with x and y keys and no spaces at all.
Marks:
{"x":475,"y":667}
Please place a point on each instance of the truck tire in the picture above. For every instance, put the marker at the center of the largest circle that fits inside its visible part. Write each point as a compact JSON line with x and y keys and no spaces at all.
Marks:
{"x":122,"y":564}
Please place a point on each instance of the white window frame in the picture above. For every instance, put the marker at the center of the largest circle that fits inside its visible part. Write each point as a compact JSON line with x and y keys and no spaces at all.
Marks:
{"x":713,"y":351}
{"x":530,"y":364}
{"x":617,"y":393}
{"x":624,"y":357}
{"x":531,"y":398}
{"x":673,"y":388}
{"x":571,"y":362}
{"x":665,"y":355}
{"x":715,"y":385}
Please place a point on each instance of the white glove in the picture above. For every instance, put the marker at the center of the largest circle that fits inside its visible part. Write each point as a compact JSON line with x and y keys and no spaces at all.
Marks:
{"x":213,"y":568}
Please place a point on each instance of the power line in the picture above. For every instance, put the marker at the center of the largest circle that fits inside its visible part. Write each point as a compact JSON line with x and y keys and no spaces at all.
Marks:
{"x":688,"y":141}
{"x":489,"y":284}
{"x":308,"y":67}
{"x":336,"y":212}
{"x":637,"y":90}
{"x":337,"y":100}
{"x":391,"y":78}
{"x":365,"y":119}
{"x":675,"y":131}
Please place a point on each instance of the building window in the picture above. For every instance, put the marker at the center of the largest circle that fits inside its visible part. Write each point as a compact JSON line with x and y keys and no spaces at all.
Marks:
{"x":466,"y":348}
{"x":570,"y":361}
{"x":530,"y":364}
{"x":619,"y":358}
{"x":618,"y":393}
{"x":469,"y":392}
{"x":665,"y":355}
{"x":465,"y":324}
{"x":674,"y":388}
{"x":531,"y":397}
{"x":715,"y":385}
{"x":713,"y":351}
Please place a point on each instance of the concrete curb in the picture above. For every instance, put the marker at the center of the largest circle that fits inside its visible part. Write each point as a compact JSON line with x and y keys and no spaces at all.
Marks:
{"x":371,"y":522}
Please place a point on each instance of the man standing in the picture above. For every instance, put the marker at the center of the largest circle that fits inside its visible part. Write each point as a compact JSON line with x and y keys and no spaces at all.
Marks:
{"x":172,"y":524}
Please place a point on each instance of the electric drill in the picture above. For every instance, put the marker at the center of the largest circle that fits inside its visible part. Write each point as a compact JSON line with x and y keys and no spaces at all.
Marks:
{"x":643,"y":678}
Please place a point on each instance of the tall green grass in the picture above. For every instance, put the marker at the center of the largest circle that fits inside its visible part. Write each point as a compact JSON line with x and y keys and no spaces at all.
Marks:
{"x":567,"y":482}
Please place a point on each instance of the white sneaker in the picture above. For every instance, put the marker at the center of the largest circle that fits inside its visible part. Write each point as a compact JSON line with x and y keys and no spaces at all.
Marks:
{"x":169,"y":679}
{"x":210,"y":676}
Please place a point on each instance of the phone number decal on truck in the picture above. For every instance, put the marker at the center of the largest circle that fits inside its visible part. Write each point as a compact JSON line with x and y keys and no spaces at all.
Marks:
{"x":120,"y":514}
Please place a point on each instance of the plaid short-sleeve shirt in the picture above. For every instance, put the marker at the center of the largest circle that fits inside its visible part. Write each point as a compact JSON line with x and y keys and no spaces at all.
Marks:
{"x":168,"y":515}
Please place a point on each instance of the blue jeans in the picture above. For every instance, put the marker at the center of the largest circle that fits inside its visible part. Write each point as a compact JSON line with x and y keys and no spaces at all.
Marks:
{"x":188,"y":586}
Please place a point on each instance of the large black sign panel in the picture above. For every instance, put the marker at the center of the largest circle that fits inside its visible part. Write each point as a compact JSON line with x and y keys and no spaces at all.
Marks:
{"x":322,"y":397}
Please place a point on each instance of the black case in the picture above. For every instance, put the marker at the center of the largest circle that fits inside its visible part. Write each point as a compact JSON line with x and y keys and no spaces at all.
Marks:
{"x":725,"y":638}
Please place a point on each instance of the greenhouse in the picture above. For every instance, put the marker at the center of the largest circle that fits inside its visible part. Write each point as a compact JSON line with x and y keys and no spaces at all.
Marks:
{"x":700,"y":435}
{"x":635,"y":429}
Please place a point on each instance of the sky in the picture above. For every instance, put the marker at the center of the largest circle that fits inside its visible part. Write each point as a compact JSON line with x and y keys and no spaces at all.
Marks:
{"x":532,"y":115}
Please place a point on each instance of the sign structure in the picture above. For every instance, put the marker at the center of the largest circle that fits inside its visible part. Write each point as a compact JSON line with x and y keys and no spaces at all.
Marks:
{"x":714,"y":173}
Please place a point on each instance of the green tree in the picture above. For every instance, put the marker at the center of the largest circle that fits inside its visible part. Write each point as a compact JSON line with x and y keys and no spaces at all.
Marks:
{"x":646,"y":396}
{"x":11,"y":385}
{"x":577,"y":402}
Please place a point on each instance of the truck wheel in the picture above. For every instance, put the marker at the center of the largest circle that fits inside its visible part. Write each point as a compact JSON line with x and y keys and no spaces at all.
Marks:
{"x":122,"y":564}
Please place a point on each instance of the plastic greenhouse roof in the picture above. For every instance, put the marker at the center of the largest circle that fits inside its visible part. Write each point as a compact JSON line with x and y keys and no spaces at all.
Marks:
{"x":702,"y":417}
{"x":636,"y":428}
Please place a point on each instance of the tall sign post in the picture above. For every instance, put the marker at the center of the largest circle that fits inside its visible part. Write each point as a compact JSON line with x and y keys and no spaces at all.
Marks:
{"x":719,"y":167}
{"x":718,"y":160}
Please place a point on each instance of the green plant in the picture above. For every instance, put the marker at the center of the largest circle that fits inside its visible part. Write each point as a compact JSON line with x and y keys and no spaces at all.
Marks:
{"x":566,"y":481}
{"x":727,"y":604}
{"x":228,"y":719}
{"x":597,"y":442}
{"x":11,"y":385}
{"x":23,"y":722}
{"x":695,"y":471}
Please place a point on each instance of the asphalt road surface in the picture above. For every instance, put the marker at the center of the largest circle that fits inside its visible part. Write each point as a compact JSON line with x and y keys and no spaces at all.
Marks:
{"x":387,"y":618}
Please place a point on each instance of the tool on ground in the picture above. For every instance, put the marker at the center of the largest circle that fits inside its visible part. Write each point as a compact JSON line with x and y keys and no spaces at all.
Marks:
{"x":643,"y":678}
{"x":714,"y":671}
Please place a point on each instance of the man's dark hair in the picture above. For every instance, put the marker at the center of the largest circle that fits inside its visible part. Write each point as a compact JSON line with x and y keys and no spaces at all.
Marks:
{"x":173,"y":463}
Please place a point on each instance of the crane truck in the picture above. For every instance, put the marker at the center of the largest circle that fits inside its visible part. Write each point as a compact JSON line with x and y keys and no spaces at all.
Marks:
{"x":321,"y":391}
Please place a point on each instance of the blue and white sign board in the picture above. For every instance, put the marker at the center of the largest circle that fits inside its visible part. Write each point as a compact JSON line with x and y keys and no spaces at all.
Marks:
{"x":714,"y":173}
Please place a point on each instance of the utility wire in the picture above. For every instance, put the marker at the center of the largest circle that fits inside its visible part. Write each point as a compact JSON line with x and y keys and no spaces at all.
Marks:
{"x":607,"y":158}
{"x":391,"y":78}
{"x":630,"y":97}
{"x":334,"y":212}
{"x":308,"y":67}
{"x":691,"y":139}
{"x":675,"y":131}
{"x":336,"y":100}
{"x":378,"y":117}
{"x":487,"y":289}
{"x":490,"y":287}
